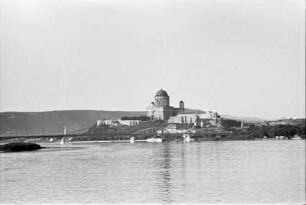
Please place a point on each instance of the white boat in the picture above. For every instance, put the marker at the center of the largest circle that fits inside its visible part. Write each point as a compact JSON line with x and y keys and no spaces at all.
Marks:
{"x":132,"y":140}
{"x":186,"y":138}
{"x":296,"y":137}
{"x":62,"y":141}
{"x":154,"y":139}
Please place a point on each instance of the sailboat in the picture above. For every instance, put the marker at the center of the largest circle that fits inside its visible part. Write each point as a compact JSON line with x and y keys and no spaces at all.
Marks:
{"x":62,"y":140}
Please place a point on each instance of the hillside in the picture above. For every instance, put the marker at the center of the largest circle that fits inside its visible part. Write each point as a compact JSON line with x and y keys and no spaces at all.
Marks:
{"x":247,"y":119}
{"x":225,"y":116}
{"x":54,"y":121}
{"x":19,"y":123}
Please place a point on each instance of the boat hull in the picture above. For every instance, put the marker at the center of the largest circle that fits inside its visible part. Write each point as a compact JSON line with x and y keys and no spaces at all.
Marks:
{"x":154,"y":140}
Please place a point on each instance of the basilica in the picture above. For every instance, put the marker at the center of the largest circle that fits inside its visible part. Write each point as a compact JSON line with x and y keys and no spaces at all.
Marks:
{"x":160,"y":109}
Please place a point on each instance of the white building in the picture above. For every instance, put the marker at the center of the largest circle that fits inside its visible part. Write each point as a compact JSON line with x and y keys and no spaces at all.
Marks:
{"x":130,"y":122}
{"x":199,"y":119}
{"x":107,"y":122}
{"x":118,"y":122}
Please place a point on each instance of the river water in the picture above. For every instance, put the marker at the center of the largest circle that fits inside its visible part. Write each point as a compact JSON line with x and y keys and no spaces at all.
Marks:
{"x":194,"y":172}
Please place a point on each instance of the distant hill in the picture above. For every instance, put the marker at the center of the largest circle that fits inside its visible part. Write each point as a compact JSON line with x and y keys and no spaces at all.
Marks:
{"x":299,"y":121}
{"x":248,"y":119}
{"x":54,"y":121}
{"x":238,"y":118}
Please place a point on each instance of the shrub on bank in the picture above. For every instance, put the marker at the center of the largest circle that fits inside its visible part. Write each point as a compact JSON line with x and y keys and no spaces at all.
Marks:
{"x":19,"y":146}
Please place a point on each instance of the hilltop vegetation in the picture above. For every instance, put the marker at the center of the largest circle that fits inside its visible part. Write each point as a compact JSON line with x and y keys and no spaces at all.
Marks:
{"x":99,"y":130}
{"x":128,"y":129}
{"x":228,"y":123}
{"x":253,"y":131}
{"x":141,"y":118}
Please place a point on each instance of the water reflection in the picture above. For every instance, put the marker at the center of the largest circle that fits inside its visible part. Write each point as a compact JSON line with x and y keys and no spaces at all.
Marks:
{"x":197,"y":172}
{"x":182,"y":161}
{"x":165,"y":167}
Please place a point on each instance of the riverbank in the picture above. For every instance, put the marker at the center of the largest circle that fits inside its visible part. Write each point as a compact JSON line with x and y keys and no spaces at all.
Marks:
{"x":127,"y":140}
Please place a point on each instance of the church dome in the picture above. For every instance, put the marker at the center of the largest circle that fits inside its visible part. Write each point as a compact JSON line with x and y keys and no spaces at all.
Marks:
{"x":161,"y":93}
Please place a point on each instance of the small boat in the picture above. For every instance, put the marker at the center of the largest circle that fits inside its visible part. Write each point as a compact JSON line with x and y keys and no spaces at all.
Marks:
{"x":132,"y":140}
{"x":217,"y":137}
{"x":296,"y":137}
{"x":62,"y":141}
{"x":154,"y":139}
{"x":186,"y":138}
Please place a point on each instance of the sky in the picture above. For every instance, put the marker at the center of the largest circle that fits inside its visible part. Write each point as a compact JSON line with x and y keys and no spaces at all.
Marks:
{"x":237,"y":57}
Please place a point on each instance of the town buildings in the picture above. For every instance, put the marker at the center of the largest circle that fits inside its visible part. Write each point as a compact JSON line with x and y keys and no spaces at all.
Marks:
{"x":161,"y":110}
{"x":198,"y":119}
{"x":114,"y":123}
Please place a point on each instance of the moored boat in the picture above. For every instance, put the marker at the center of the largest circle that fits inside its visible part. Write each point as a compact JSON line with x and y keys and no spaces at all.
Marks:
{"x":154,"y":139}
{"x":296,"y":137}
{"x":186,"y":138}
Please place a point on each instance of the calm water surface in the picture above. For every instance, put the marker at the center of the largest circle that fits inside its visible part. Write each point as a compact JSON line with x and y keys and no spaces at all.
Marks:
{"x":195,"y":172}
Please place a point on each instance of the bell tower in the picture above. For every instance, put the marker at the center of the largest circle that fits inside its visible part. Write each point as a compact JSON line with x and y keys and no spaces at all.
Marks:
{"x":182,"y":108}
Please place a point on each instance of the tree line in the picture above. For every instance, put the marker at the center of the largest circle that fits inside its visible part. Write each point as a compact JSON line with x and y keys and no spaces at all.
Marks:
{"x":271,"y":131}
{"x":141,"y":118}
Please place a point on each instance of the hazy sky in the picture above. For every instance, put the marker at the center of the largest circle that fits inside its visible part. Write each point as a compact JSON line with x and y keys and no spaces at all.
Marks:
{"x":245,"y":58}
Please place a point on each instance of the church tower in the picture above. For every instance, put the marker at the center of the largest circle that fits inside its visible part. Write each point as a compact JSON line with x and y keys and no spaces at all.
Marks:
{"x":182,"y":108}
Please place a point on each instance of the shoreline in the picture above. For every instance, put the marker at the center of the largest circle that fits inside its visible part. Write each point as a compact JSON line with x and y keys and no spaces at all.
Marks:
{"x":140,"y":141}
